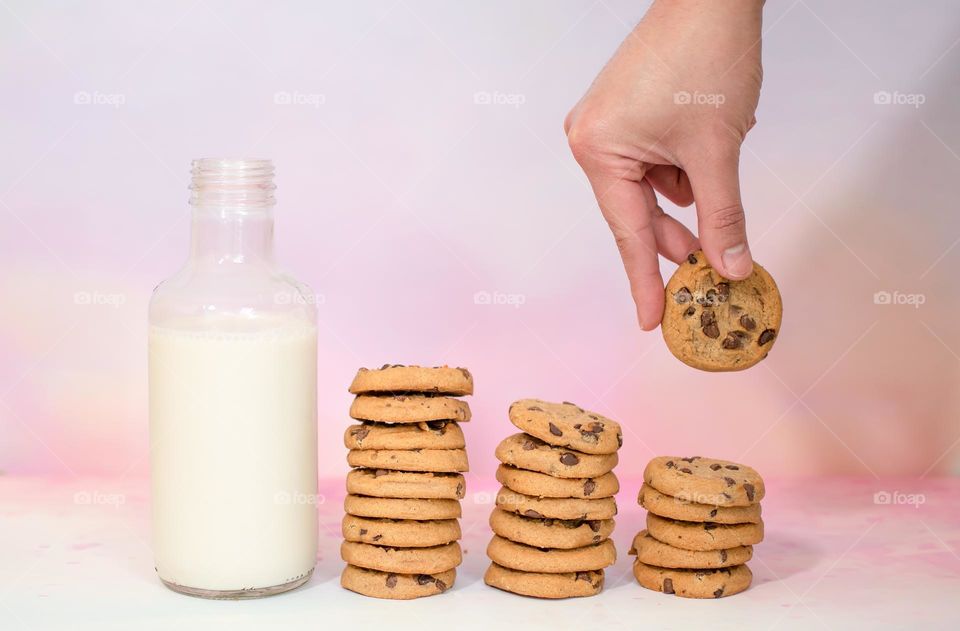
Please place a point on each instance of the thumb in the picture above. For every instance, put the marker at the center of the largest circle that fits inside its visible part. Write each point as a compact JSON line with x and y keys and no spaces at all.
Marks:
{"x":722,"y":226}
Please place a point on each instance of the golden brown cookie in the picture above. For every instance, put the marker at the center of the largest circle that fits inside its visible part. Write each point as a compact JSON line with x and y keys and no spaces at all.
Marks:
{"x":396,"y":378}
{"x":408,"y":408}
{"x":436,"y":460}
{"x":518,"y":556}
{"x":401,"y":508}
{"x":703,"y":535}
{"x":405,"y":484}
{"x":653,"y":552}
{"x":676,"y":508}
{"x":432,"y":435}
{"x":550,"y":533}
{"x":567,"y":425}
{"x":402,"y":560}
{"x":528,"y":452}
{"x":405,"y":533}
{"x":555,"y":507}
{"x":542,"y":485}
{"x":694,"y":583}
{"x":716,"y":324}
{"x":705,"y":480}
{"x":543,"y":585}
{"x":395,"y":586}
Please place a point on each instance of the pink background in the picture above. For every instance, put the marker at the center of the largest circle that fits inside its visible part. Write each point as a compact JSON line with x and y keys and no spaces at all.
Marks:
{"x":400,"y":198}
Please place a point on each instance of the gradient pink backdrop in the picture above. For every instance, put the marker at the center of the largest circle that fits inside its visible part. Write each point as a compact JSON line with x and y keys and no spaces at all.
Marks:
{"x":400,"y":198}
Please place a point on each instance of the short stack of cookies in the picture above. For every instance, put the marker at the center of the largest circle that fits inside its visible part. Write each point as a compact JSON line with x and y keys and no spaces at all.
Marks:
{"x":401,"y":528}
{"x":703,"y":518}
{"x":554,"y":513}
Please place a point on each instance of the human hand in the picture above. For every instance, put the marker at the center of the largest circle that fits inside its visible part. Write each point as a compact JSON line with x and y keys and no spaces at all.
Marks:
{"x":667,"y":115}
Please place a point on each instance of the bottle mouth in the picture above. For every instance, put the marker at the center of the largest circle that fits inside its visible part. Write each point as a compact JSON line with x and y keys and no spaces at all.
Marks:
{"x":239,"y":183}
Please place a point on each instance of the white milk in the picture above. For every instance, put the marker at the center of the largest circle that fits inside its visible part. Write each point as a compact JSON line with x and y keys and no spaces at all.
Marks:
{"x":233,"y":454}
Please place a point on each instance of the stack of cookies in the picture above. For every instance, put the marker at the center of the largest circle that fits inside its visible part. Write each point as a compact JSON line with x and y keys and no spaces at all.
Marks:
{"x":703,"y":517}
{"x":554,"y":513}
{"x":401,"y":526}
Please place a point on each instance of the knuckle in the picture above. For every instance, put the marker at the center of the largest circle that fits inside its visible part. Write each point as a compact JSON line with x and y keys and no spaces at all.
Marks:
{"x":725,"y":217}
{"x":585,"y":138}
{"x":624,"y":241}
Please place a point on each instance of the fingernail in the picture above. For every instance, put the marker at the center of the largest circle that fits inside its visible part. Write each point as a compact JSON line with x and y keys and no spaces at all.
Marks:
{"x":737,"y":261}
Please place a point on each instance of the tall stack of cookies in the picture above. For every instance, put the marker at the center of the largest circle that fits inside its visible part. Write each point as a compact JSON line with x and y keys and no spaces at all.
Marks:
{"x":401,"y":528}
{"x":554,"y":513}
{"x":703,"y":518}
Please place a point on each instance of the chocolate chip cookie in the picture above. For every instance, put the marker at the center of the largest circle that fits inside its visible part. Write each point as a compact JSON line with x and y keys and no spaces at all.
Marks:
{"x":542,"y":485}
{"x":705,"y":480}
{"x":528,"y":452}
{"x":544,"y":585}
{"x":399,"y":379}
{"x":549,"y":533}
{"x":431,"y":435}
{"x":518,"y":556}
{"x":405,"y":533}
{"x":401,"y":525}
{"x":435,"y":460}
{"x":716,"y":324}
{"x":401,"y":508}
{"x":402,"y":560}
{"x":567,"y":425}
{"x":395,"y":586}
{"x":653,"y":552}
{"x":555,"y":507}
{"x":409,"y":408}
{"x":701,"y":583}
{"x":404,"y":484}
{"x":684,"y":510}
{"x":691,"y":535}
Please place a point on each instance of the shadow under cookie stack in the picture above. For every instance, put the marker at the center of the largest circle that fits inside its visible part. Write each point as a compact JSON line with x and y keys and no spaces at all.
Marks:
{"x":703,"y":518}
{"x":554,"y":513}
{"x":401,"y":528}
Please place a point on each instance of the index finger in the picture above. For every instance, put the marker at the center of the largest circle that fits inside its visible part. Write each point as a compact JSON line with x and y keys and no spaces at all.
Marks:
{"x":629,"y":213}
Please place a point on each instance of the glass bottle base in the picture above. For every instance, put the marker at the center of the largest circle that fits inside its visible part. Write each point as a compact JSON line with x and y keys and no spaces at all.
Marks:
{"x":239,"y":594}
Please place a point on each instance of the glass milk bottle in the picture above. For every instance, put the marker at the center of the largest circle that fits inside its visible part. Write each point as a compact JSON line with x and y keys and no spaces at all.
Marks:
{"x":233,"y":410}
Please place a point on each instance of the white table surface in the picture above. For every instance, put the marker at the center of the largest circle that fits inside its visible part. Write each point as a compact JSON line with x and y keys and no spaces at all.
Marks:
{"x":832,"y":559}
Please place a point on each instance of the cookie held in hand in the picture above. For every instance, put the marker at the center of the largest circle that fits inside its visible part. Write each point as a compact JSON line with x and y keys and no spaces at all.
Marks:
{"x":716,"y":324}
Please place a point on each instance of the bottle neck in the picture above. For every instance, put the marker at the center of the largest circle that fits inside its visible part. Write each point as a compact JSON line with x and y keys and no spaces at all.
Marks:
{"x":232,"y":203}
{"x":218,"y":237}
